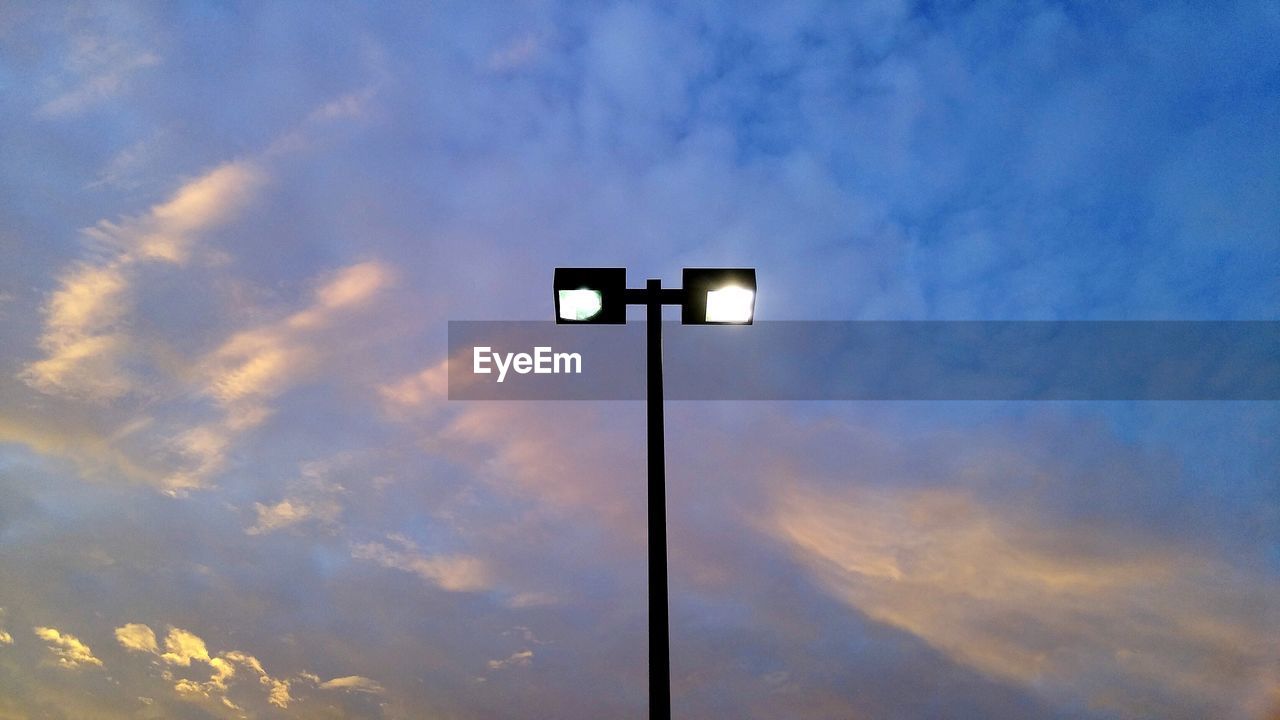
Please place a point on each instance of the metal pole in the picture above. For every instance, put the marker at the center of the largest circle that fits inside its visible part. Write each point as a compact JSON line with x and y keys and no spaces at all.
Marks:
{"x":659,"y":622}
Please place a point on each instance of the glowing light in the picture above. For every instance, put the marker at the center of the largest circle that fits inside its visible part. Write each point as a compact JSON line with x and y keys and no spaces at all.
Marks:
{"x":730,"y":304}
{"x":581,"y":304}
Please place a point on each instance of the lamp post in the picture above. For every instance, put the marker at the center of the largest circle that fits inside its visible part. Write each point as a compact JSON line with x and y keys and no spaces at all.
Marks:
{"x":720,"y":296}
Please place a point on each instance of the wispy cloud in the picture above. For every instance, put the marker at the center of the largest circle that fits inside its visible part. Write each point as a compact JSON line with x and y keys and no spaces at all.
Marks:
{"x":71,"y":653}
{"x":254,"y":366}
{"x":521,"y":449}
{"x":86,"y":340}
{"x":459,"y":573}
{"x":98,"y":70}
{"x":520,"y":657}
{"x":169,"y":230}
{"x":313,"y":497}
{"x":93,"y":452}
{"x":82,"y":341}
{"x":1063,"y":610}
{"x":354,"y":683}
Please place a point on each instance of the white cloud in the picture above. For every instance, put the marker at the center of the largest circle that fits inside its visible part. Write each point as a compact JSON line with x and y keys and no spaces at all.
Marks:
{"x":137,"y":637}
{"x":277,"y":691}
{"x":458,"y":573}
{"x":190,"y":687}
{"x":354,"y":683}
{"x":71,"y":653}
{"x":311,"y":497}
{"x":82,"y":342}
{"x":274,"y":517}
{"x":181,"y":647}
{"x":292,"y":511}
{"x":522,"y":657}
{"x":223,"y":670}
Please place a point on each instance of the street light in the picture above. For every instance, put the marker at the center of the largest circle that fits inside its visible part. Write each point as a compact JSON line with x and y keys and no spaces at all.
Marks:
{"x":710,"y":296}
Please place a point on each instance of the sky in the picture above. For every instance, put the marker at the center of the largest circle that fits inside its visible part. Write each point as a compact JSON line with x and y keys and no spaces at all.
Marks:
{"x":232,"y":484}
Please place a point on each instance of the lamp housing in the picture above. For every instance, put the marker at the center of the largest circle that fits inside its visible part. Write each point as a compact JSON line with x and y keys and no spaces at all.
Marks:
{"x":718,"y":296}
{"x":590,"y":296}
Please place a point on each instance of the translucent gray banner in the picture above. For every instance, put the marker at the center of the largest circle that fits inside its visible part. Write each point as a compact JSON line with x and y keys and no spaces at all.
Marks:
{"x":1068,"y":360}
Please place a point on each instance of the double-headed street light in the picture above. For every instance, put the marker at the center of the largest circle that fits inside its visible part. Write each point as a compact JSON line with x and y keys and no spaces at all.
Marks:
{"x":710,"y":296}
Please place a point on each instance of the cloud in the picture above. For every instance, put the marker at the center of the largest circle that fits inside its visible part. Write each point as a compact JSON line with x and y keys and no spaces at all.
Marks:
{"x":277,"y":692}
{"x":289,"y":512}
{"x":1060,"y":609}
{"x":274,"y":517}
{"x":416,"y":392}
{"x":169,"y":230}
{"x":255,"y":365}
{"x":351,"y":286}
{"x":521,"y":657}
{"x":883,"y":146}
{"x":181,"y":647}
{"x":523,"y":450}
{"x":82,"y":343}
{"x":189,"y":687}
{"x":311,"y":497}
{"x":5,"y":637}
{"x":532,"y":599}
{"x":94,"y":453}
{"x":86,"y":339}
{"x":184,"y":648}
{"x":355,"y":683}
{"x":517,"y":54}
{"x":351,"y":105}
{"x":100,"y":67}
{"x":137,"y":637}
{"x":457,"y":573}
{"x":70,"y":651}
{"x":252,"y":367}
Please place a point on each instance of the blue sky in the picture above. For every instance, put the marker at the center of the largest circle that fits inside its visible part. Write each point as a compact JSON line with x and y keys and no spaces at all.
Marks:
{"x":231,"y":484}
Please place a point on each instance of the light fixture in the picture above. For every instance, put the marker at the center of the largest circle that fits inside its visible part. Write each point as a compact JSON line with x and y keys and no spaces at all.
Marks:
{"x":581,"y":304}
{"x":719,"y":296}
{"x":591,"y":295}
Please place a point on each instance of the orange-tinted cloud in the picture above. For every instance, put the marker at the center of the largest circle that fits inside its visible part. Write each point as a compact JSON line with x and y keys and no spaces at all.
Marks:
{"x":1062,"y":609}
